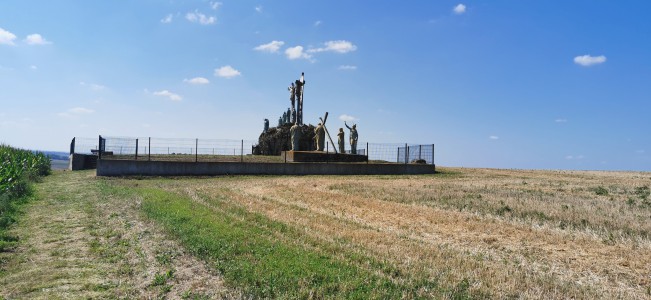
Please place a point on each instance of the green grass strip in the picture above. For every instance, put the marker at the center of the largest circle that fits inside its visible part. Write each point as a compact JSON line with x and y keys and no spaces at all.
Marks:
{"x":247,"y":256}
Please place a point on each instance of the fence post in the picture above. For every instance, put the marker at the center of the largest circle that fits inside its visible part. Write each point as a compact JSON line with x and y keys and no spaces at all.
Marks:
{"x":367,"y":153}
{"x":149,"y":149}
{"x":136,"y":149}
{"x":72,"y":146}
{"x":406,"y":153}
{"x":99,"y":149}
{"x":398,"y":155}
{"x":242,"y":152}
{"x":432,"y":153}
{"x":196,"y":150}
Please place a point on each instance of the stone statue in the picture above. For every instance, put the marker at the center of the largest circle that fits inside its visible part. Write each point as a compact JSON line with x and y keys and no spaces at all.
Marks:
{"x":319,"y":135}
{"x":289,"y":116}
{"x":353,"y":138}
{"x":284,"y":118}
{"x":292,"y":98}
{"x":298,"y":90}
{"x":280,"y":121}
{"x":340,"y":140}
{"x":295,"y":134}
{"x":266,"y":126}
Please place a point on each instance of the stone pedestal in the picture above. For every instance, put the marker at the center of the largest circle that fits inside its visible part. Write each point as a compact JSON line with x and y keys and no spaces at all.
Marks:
{"x":318,"y":156}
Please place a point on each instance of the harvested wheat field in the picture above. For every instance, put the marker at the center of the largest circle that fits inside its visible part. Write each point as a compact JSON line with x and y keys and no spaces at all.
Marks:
{"x":475,"y":233}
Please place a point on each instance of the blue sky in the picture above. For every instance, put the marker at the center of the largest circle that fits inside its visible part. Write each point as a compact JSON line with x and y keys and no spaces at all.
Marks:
{"x":500,"y":84}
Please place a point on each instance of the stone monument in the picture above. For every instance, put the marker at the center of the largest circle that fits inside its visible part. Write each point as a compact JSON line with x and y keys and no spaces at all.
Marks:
{"x":353,"y":138}
{"x":319,"y":135}
{"x":266,"y":126}
{"x":340,"y":140}
{"x":295,"y":133}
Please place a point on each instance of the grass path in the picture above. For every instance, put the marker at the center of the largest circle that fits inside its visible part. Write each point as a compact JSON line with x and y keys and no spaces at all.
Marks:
{"x":78,"y":241}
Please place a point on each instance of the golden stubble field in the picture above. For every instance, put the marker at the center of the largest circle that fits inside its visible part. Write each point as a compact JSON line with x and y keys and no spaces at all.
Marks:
{"x":507,"y":233}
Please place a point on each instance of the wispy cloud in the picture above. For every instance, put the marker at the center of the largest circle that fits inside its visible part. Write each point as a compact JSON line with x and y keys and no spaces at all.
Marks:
{"x":215,"y":5}
{"x":271,"y":47}
{"x":588,"y":60}
{"x":640,"y":151}
{"x":347,"y":118}
{"x":36,"y":39}
{"x":258,"y":8}
{"x":494,"y":137}
{"x":75,"y":112}
{"x":560,"y":120}
{"x":168,"y":94}
{"x":197,"y":81}
{"x":197,"y":17}
{"x":340,"y":46}
{"x":347,"y":67}
{"x":33,"y":67}
{"x":167,"y":19}
{"x":93,"y":86}
{"x":575,"y":157}
{"x":459,"y":9}
{"x":7,"y":38}
{"x":297,"y":53}
{"x":227,"y":72}
{"x":318,"y":23}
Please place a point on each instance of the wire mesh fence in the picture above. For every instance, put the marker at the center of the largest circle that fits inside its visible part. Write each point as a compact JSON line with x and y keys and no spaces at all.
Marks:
{"x":223,"y":150}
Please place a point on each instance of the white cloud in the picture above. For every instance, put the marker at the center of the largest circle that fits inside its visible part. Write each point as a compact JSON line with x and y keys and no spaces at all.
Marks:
{"x":81,"y":110}
{"x":588,"y":60}
{"x":317,"y":23}
{"x":197,"y":81}
{"x":347,"y":67}
{"x":93,"y":86}
{"x":494,"y":137}
{"x":75,"y":112}
{"x":296,"y":53}
{"x":340,"y":46}
{"x":347,"y":118}
{"x":258,"y":8}
{"x":215,"y":5}
{"x":459,"y":9}
{"x":7,"y":37}
{"x":272,"y":47}
{"x":36,"y":39}
{"x":639,"y":151}
{"x":167,"y":19}
{"x":560,"y":121}
{"x":33,"y":67}
{"x":168,"y":94}
{"x":197,"y":17}
{"x":227,"y":72}
{"x":573,"y":157}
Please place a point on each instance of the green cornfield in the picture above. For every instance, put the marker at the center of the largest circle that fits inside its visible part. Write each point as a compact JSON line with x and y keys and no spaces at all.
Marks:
{"x":18,"y":168}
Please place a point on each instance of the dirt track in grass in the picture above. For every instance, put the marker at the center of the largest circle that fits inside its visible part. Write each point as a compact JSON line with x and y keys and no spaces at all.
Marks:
{"x":77,"y":242}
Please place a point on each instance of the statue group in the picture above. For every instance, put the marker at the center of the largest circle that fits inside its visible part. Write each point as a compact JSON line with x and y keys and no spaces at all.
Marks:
{"x":296,"y":98}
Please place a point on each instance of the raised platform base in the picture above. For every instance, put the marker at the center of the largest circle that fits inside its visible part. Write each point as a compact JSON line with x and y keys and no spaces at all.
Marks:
{"x":167,"y":168}
{"x":318,"y":156}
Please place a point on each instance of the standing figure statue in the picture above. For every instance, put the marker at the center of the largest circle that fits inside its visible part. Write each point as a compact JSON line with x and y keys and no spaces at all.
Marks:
{"x":319,"y":135}
{"x":295,"y":134}
{"x":299,"y":83}
{"x":340,"y":141}
{"x":289,"y":116}
{"x":266,"y":126}
{"x":292,"y":98}
{"x":353,"y":138}
{"x":280,"y":121}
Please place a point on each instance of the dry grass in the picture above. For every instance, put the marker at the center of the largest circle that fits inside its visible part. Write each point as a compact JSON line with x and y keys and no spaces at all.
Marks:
{"x":530,"y":234}
{"x":79,"y":242}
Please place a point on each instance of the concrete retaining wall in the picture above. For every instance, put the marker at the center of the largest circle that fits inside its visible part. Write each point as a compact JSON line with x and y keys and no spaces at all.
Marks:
{"x":82,"y":162}
{"x":167,"y":168}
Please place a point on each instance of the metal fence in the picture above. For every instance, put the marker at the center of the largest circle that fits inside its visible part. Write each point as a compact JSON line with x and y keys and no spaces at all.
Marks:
{"x":215,"y":150}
